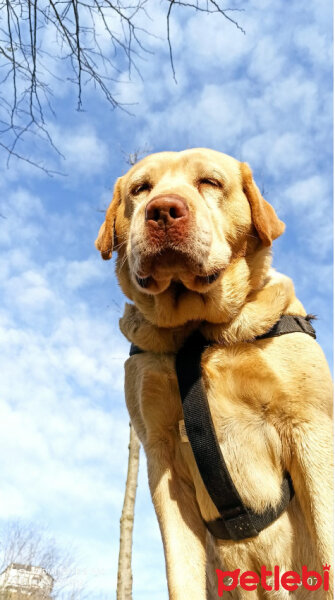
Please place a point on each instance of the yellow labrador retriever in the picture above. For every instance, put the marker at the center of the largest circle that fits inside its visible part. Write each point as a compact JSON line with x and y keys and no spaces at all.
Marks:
{"x":193,"y":236}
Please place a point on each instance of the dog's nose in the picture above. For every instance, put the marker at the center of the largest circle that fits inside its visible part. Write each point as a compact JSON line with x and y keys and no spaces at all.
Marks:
{"x":165,"y":210}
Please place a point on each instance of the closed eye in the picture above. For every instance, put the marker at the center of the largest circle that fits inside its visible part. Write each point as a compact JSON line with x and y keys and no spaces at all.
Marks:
{"x":210,"y":181}
{"x":142,"y":187}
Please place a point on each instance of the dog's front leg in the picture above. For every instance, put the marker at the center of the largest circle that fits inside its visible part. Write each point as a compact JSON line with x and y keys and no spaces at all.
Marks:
{"x":312,"y":475}
{"x":183,"y":531}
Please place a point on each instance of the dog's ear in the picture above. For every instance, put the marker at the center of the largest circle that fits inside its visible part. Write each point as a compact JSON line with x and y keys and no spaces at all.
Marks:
{"x":106,"y":236}
{"x":265,"y":220}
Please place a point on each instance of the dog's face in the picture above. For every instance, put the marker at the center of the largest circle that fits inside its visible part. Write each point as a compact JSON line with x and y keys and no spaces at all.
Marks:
{"x":180,"y":220}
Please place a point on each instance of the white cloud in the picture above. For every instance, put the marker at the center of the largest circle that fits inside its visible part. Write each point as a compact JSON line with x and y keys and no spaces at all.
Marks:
{"x":226,"y":45}
{"x":311,"y":194}
{"x":315,"y":44}
{"x":267,"y":62}
{"x":79,"y":273}
{"x":310,"y":199}
{"x":289,"y":152}
{"x":29,"y":290}
{"x":85,"y":153}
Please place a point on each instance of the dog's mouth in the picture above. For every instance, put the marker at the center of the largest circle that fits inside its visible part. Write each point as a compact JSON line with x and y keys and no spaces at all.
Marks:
{"x":208,"y":279}
{"x":145,"y":282}
{"x":157,"y":272}
{"x":186,"y":281}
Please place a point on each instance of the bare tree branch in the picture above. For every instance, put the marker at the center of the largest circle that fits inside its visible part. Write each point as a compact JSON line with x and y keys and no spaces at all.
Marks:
{"x":29,"y":545}
{"x":47,"y":43}
{"x":211,"y":7}
{"x":133,"y":157}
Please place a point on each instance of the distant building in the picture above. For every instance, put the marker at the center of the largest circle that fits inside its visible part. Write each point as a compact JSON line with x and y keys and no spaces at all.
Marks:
{"x":25,"y":580}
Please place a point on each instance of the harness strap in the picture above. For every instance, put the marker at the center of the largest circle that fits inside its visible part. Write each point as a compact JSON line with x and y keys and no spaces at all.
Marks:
{"x":236,"y":521}
{"x":290,"y":324}
{"x":135,"y":350}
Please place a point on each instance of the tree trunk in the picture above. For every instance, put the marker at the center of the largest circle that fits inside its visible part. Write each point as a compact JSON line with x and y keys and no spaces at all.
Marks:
{"x":124,"y":575}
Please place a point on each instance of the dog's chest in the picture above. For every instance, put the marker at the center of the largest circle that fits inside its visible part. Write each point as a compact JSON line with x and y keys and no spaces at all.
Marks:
{"x":250,"y":444}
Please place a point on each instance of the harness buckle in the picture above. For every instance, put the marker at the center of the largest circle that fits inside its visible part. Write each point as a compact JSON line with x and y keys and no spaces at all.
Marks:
{"x":240,"y":527}
{"x":234,"y":528}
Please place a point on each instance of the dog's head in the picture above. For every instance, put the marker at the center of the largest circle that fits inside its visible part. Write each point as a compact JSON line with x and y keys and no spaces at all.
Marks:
{"x":187,"y":225}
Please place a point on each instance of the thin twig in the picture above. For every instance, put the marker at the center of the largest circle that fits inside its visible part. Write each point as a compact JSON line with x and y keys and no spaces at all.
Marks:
{"x":78,"y":28}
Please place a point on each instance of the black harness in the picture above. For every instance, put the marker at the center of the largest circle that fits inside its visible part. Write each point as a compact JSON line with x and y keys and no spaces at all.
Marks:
{"x":236,"y":521}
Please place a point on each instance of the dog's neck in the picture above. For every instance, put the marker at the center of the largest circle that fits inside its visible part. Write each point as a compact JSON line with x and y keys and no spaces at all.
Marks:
{"x":266,"y":298}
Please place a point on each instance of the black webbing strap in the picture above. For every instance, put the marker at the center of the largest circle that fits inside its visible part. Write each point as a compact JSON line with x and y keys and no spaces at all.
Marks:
{"x":286,"y":324}
{"x":135,"y":350}
{"x":236,"y":521}
{"x":290,"y":324}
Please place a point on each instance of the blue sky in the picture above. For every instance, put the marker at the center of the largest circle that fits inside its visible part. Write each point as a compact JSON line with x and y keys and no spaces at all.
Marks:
{"x":264,"y":97}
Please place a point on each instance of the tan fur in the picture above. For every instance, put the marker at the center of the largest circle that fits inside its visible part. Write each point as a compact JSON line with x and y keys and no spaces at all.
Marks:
{"x":105,"y":241}
{"x":268,"y":226}
{"x":270,"y":399}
